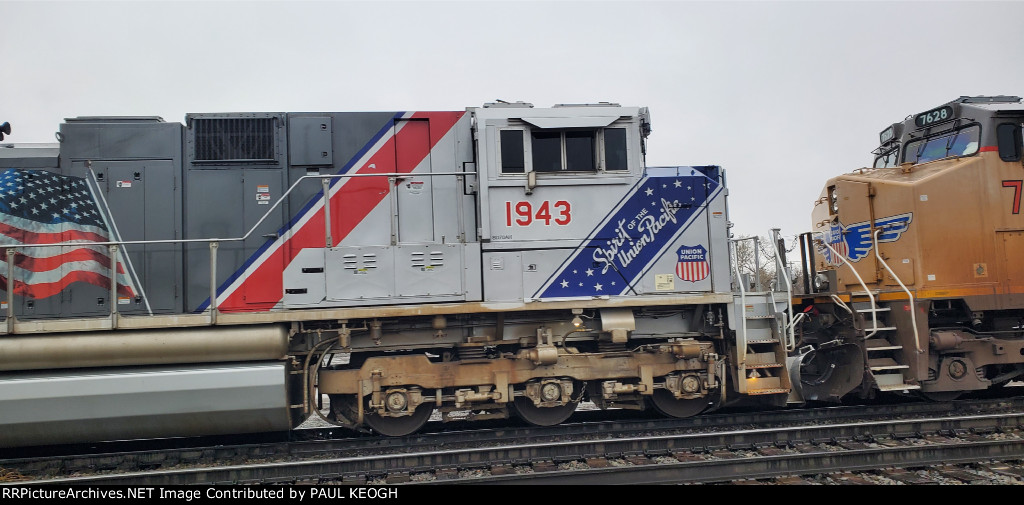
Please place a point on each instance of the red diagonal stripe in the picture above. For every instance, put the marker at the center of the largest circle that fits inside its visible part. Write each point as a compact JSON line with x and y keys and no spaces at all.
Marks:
{"x":349,"y":207}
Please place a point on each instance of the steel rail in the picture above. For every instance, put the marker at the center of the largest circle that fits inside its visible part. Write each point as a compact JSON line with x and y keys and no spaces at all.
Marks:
{"x":319,"y":443}
{"x":761,"y":467}
{"x":522,"y":453}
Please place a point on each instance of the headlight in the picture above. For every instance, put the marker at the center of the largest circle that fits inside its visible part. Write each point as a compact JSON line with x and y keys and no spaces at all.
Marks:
{"x":820,"y":283}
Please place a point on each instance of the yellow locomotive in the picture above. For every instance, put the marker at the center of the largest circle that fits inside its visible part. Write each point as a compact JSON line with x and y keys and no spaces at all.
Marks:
{"x":918,"y":261}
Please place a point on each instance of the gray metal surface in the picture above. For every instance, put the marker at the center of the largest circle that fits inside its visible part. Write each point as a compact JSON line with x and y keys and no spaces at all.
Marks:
{"x":29,"y":155}
{"x":142,"y":402}
{"x":227,"y":202}
{"x":397,"y":274}
{"x":149,"y":191}
{"x":309,"y":141}
{"x":360,"y":273}
{"x":144,"y":347}
{"x":137,"y":166}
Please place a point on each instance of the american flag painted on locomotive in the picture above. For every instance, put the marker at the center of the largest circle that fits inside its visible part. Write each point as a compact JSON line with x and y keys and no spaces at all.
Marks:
{"x":693,"y":263}
{"x":352,"y":199}
{"x":39,"y":207}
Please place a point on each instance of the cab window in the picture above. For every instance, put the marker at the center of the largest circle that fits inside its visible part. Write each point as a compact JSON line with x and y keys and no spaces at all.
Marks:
{"x":888,"y":159}
{"x":563,"y":150}
{"x":1009,"y":137}
{"x":512,"y":159}
{"x":615,"y":149}
{"x":547,"y":151}
{"x":962,"y":142}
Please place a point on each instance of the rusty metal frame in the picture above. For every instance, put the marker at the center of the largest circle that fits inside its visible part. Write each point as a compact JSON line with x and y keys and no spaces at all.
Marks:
{"x":420,"y":371}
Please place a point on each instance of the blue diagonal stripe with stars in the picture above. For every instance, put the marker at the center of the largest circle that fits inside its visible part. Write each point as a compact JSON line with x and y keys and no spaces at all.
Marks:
{"x":655,"y":211}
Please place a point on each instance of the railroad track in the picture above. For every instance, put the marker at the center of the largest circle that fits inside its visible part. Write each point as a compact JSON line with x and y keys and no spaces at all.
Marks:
{"x":725,"y":446}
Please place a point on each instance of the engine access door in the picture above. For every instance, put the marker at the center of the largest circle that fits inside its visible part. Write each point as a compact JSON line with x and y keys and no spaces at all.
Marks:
{"x":855,"y":229}
{"x":140,"y":202}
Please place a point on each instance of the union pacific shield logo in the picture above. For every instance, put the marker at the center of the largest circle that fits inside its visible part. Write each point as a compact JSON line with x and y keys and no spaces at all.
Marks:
{"x":834,"y":237}
{"x":693,"y":263}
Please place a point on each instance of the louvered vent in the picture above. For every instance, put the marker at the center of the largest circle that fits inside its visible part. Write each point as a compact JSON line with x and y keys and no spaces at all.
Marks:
{"x":437,"y":258}
{"x":354,"y":262}
{"x":420,"y":259}
{"x":350,"y":262}
{"x":234,"y":139}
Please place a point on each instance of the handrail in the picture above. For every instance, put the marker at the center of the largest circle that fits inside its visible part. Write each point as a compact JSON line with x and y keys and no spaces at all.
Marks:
{"x":741,"y":350}
{"x":839,"y":301}
{"x":113,"y":245}
{"x":781,"y":272}
{"x":846,"y":261}
{"x":251,"y":230}
{"x":913,"y":309}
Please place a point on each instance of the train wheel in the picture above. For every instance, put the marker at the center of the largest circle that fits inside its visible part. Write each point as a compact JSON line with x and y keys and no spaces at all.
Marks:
{"x":671,"y":406}
{"x":399,"y":426}
{"x":385,"y":425}
{"x":542,"y":416}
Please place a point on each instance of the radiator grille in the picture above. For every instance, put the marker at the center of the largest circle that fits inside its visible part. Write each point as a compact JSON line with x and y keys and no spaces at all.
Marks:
{"x":234,"y":139}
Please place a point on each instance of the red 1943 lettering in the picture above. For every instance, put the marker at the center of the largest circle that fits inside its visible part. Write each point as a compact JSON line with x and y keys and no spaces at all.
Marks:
{"x":523,"y":214}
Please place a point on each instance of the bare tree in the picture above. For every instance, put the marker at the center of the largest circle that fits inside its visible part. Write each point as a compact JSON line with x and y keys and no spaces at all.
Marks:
{"x":756,"y":261}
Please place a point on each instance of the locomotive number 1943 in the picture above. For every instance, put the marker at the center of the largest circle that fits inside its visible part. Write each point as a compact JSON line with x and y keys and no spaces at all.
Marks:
{"x":522,"y":213}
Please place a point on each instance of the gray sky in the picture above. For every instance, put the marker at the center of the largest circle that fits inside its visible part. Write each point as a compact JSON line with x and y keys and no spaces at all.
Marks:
{"x":782,"y":94}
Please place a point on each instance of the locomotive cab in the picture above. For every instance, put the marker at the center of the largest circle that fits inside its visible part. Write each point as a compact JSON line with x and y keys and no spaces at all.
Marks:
{"x":921,"y":251}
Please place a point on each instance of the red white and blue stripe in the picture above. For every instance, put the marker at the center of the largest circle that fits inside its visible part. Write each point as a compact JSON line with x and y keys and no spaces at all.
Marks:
{"x":351,"y":200}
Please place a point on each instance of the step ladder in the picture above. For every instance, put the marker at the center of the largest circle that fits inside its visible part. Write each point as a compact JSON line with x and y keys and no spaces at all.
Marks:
{"x":760,"y":347}
{"x":884,"y":357}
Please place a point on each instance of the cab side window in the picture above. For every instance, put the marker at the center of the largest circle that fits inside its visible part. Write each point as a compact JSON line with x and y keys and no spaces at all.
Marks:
{"x":563,"y":150}
{"x":615,"y":149}
{"x":1009,"y":138}
{"x":513,"y":159}
{"x":888,"y":159}
{"x":547,"y":151}
{"x":579,"y":151}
